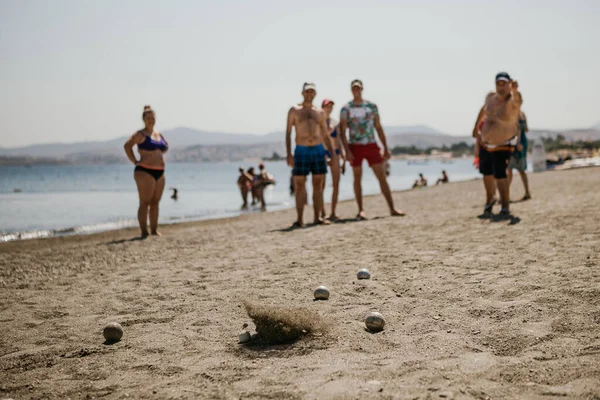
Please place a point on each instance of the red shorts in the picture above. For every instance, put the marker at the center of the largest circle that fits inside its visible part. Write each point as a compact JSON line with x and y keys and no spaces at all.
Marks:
{"x":371,"y":152}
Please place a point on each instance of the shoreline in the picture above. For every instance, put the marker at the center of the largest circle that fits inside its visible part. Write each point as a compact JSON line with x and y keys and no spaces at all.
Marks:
{"x":80,"y":231}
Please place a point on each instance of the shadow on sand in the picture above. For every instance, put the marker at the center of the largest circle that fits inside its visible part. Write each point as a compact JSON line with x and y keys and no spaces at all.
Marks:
{"x":256,"y":349}
{"x":513,"y":220}
{"x":339,"y":221}
{"x":519,"y":201}
{"x":133,"y":239}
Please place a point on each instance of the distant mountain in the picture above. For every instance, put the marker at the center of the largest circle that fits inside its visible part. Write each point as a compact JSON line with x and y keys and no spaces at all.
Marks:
{"x":179,"y":137}
{"x":226,"y":152}
{"x":570,"y":135}
{"x":423,"y":141}
{"x":184,"y":137}
{"x":60,"y":150}
{"x":412,"y":129}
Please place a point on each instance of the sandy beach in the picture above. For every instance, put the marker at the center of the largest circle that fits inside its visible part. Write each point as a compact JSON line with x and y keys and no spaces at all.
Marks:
{"x":474,"y":308}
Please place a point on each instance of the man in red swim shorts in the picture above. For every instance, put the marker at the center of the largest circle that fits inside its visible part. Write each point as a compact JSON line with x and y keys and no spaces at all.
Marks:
{"x":361,"y":118}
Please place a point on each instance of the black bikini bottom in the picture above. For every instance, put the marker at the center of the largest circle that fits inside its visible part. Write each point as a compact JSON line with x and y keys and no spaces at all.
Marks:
{"x":155,"y":173}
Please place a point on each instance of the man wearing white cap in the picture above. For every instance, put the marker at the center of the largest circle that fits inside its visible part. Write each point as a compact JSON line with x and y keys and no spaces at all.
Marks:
{"x":309,"y":154}
{"x":497,"y":134}
{"x":361,"y":118}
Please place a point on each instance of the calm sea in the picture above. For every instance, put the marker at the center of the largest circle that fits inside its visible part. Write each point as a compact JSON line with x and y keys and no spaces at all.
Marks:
{"x":41,"y":201}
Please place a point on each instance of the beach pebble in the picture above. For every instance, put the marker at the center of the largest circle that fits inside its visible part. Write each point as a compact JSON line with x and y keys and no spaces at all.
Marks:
{"x":374,"y":321}
{"x":321,"y":293}
{"x":363,"y":273}
{"x":113,"y":332}
{"x":244,"y":336}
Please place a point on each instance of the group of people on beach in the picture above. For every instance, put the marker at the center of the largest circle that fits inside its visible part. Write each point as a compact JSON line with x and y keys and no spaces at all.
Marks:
{"x":251,"y":183}
{"x":321,"y":141}
{"x":500,"y":134}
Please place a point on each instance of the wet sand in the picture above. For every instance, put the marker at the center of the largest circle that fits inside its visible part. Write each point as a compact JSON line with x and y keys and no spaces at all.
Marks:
{"x":474,"y":308}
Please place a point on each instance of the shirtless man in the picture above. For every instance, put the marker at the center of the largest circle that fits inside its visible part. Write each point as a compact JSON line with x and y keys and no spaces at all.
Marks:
{"x":361,"y":117}
{"x":497,"y":138}
{"x":443,"y":179}
{"x":421,"y":182}
{"x":309,"y":155}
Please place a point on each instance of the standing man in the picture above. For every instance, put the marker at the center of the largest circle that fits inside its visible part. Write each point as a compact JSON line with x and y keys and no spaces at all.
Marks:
{"x":496,"y":131}
{"x":361,"y":117}
{"x":309,"y":154}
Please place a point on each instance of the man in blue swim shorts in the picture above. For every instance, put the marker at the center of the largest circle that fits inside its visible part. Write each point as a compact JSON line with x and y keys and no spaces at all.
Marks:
{"x":312,"y":137}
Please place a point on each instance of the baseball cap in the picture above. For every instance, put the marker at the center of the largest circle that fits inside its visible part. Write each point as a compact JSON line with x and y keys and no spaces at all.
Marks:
{"x":308,"y":86}
{"x":502,"y":76}
{"x":356,"y":82}
{"x":327,"y":101}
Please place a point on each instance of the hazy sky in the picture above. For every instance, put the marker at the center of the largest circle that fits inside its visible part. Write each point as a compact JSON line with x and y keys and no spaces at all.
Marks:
{"x":83,"y":70}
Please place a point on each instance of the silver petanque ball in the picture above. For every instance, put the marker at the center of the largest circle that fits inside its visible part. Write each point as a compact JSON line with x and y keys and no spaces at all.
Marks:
{"x":113,"y":332}
{"x":244,"y":336}
{"x":363,"y":273}
{"x":321,"y":293}
{"x":374,"y":321}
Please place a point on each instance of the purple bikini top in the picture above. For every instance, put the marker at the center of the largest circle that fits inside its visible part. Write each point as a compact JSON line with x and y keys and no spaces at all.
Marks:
{"x":151,"y":144}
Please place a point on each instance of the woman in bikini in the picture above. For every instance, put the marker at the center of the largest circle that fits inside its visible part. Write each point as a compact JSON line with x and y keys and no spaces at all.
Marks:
{"x":334,"y":165}
{"x":149,"y":170}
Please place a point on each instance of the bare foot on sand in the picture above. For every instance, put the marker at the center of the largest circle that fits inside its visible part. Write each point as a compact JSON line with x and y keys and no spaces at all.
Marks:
{"x":322,"y":222}
{"x":361,"y":216}
{"x":397,"y":213}
{"x":156,"y":233}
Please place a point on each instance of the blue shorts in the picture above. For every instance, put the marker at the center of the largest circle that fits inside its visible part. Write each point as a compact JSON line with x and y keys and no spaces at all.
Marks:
{"x":309,"y":160}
